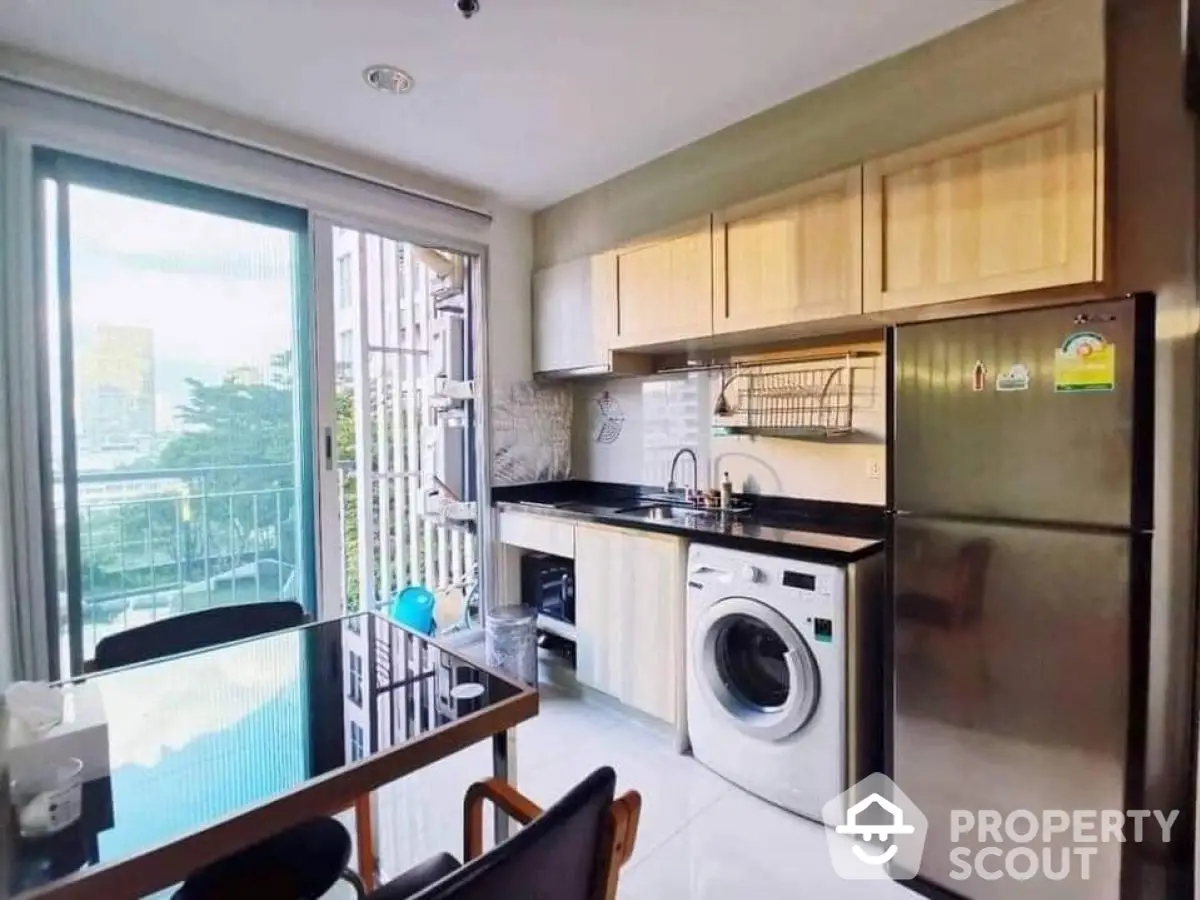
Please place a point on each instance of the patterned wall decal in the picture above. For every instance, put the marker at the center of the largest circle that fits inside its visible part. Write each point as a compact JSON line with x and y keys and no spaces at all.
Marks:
{"x":610,"y":419}
{"x":531,"y":434}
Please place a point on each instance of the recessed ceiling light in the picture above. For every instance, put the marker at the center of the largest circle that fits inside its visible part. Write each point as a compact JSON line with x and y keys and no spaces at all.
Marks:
{"x":389,"y":79}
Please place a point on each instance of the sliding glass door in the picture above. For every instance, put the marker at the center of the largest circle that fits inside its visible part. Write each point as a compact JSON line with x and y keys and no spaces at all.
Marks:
{"x":179,"y":342}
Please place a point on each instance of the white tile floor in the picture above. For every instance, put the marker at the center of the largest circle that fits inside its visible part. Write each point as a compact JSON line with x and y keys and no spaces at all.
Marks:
{"x":700,"y":837}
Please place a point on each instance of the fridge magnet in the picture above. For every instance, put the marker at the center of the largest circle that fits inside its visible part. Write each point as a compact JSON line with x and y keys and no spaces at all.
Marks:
{"x":1014,"y":378}
{"x":1086,"y":361}
{"x":979,"y":376}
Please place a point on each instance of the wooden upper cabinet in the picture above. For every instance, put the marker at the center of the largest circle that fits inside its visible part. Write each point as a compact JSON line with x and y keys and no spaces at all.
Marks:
{"x":566,"y":321}
{"x":1012,"y":206}
{"x":664,"y":286}
{"x":574,"y":320}
{"x":791,"y":257}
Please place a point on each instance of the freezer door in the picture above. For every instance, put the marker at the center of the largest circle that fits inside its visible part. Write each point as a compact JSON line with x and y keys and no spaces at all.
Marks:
{"x":1012,"y":673}
{"x":991,"y":421}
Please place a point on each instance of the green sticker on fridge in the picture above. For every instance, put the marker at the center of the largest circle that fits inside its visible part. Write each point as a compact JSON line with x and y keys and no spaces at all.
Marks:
{"x":1085,"y":362}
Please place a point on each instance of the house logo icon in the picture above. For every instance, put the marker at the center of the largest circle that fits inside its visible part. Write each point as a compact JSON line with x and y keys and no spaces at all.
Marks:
{"x":875,"y":832}
{"x":882,"y":831}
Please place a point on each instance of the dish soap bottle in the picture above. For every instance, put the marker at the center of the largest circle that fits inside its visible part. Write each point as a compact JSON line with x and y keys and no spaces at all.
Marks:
{"x":726,"y":492}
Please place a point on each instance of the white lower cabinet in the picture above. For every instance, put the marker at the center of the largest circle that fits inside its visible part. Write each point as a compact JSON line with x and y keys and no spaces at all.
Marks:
{"x":629,"y":601}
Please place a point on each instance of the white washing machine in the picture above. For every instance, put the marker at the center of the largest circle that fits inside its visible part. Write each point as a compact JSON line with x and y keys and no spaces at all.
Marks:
{"x":769,"y":672}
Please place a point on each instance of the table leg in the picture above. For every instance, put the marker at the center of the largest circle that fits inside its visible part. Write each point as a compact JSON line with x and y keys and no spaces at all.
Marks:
{"x":500,"y":770}
{"x":364,"y":828}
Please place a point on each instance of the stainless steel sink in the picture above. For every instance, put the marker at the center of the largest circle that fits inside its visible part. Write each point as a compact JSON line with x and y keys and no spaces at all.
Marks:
{"x":665,"y":513}
{"x":588,"y":508}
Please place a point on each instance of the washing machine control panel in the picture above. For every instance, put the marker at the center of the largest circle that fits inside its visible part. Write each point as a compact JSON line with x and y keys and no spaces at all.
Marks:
{"x":716,"y":570}
{"x":807,"y":581}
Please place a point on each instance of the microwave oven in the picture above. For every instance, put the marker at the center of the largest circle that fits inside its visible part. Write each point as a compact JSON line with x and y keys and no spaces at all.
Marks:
{"x":548,"y":585}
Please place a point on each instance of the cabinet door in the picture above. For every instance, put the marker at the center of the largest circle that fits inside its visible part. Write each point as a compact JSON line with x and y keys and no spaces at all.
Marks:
{"x":629,"y":617}
{"x":791,"y":257}
{"x":598,"y":609}
{"x":564,"y":331}
{"x":654,"y":599}
{"x":664,"y":287}
{"x":1012,"y":206}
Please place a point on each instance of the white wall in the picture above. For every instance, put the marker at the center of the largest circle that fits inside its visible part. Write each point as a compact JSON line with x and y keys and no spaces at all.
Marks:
{"x":510,"y":330}
{"x":7,"y":579}
{"x":628,"y":429}
{"x":530,"y":424}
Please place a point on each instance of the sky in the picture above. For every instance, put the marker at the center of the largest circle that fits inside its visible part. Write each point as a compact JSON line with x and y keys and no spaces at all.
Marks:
{"x":216,"y":292}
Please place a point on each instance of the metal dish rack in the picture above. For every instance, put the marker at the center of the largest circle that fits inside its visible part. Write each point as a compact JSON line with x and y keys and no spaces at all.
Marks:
{"x":789,"y":399}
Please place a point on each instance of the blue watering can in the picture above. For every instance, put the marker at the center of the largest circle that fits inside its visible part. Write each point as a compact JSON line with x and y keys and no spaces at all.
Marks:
{"x":413,"y":607}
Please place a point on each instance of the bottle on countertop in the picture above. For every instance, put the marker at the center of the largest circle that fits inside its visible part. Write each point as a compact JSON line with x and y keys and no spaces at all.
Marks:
{"x":726,"y":492}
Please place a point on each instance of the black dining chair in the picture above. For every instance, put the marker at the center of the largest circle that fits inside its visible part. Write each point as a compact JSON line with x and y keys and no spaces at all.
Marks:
{"x":303,"y":861}
{"x":574,"y":850}
{"x":196,"y":631}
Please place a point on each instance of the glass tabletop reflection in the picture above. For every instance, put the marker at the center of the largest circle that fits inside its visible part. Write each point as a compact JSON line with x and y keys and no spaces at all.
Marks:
{"x":197,"y":737}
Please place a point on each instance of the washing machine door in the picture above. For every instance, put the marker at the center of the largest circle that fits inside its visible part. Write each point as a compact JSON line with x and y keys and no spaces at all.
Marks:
{"x":755,"y":669}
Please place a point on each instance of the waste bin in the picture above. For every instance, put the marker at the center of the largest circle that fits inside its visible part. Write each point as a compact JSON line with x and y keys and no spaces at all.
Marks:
{"x":511,"y":635}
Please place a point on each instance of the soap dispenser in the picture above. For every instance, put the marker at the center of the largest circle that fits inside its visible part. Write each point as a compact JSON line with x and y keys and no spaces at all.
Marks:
{"x":726,"y":492}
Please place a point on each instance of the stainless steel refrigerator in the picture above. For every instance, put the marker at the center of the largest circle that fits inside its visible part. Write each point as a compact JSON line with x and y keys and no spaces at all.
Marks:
{"x":1021,"y":480}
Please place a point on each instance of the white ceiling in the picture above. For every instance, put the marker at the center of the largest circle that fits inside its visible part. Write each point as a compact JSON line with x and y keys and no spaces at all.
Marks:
{"x":532,"y":99}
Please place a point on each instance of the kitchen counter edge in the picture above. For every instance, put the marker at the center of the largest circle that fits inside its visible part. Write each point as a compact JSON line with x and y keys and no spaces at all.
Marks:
{"x":793,"y":546}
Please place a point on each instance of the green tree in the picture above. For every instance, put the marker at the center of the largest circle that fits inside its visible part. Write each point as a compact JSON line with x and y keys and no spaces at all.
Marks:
{"x":345,"y":450}
{"x":240,"y":446}
{"x":236,"y":461}
{"x":236,"y":455}
{"x":346,"y":411}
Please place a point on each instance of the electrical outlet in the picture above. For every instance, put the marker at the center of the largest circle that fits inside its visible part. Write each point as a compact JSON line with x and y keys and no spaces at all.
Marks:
{"x":874,"y":469}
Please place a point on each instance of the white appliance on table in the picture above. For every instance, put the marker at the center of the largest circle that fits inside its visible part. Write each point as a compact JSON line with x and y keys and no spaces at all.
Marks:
{"x":782,"y":688}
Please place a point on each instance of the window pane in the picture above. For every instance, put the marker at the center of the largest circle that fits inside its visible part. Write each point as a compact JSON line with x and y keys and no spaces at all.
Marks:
{"x":343,"y":281}
{"x":183,"y":363}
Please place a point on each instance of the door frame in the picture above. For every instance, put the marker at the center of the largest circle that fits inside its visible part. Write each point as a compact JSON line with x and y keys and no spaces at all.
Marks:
{"x":23,"y":483}
{"x":321,"y":225}
{"x":69,"y":170}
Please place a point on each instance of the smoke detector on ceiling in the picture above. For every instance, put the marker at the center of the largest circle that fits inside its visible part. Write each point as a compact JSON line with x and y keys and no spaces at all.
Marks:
{"x":388,"y":79}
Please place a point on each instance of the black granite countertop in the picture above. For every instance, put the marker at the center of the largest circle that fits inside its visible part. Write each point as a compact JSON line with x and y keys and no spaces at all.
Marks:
{"x":838,"y":533}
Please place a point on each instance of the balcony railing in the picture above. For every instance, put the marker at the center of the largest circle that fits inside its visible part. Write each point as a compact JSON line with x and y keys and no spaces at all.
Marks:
{"x":161,"y":542}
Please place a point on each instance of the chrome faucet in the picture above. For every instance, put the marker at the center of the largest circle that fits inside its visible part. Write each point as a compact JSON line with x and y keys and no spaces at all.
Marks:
{"x":695,"y":472}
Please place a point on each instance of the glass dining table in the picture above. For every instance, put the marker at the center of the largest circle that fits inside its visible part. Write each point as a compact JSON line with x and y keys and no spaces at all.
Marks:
{"x":214,"y":750}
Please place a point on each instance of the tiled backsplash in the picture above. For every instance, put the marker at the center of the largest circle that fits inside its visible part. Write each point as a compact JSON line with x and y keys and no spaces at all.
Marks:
{"x":628,"y":429}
